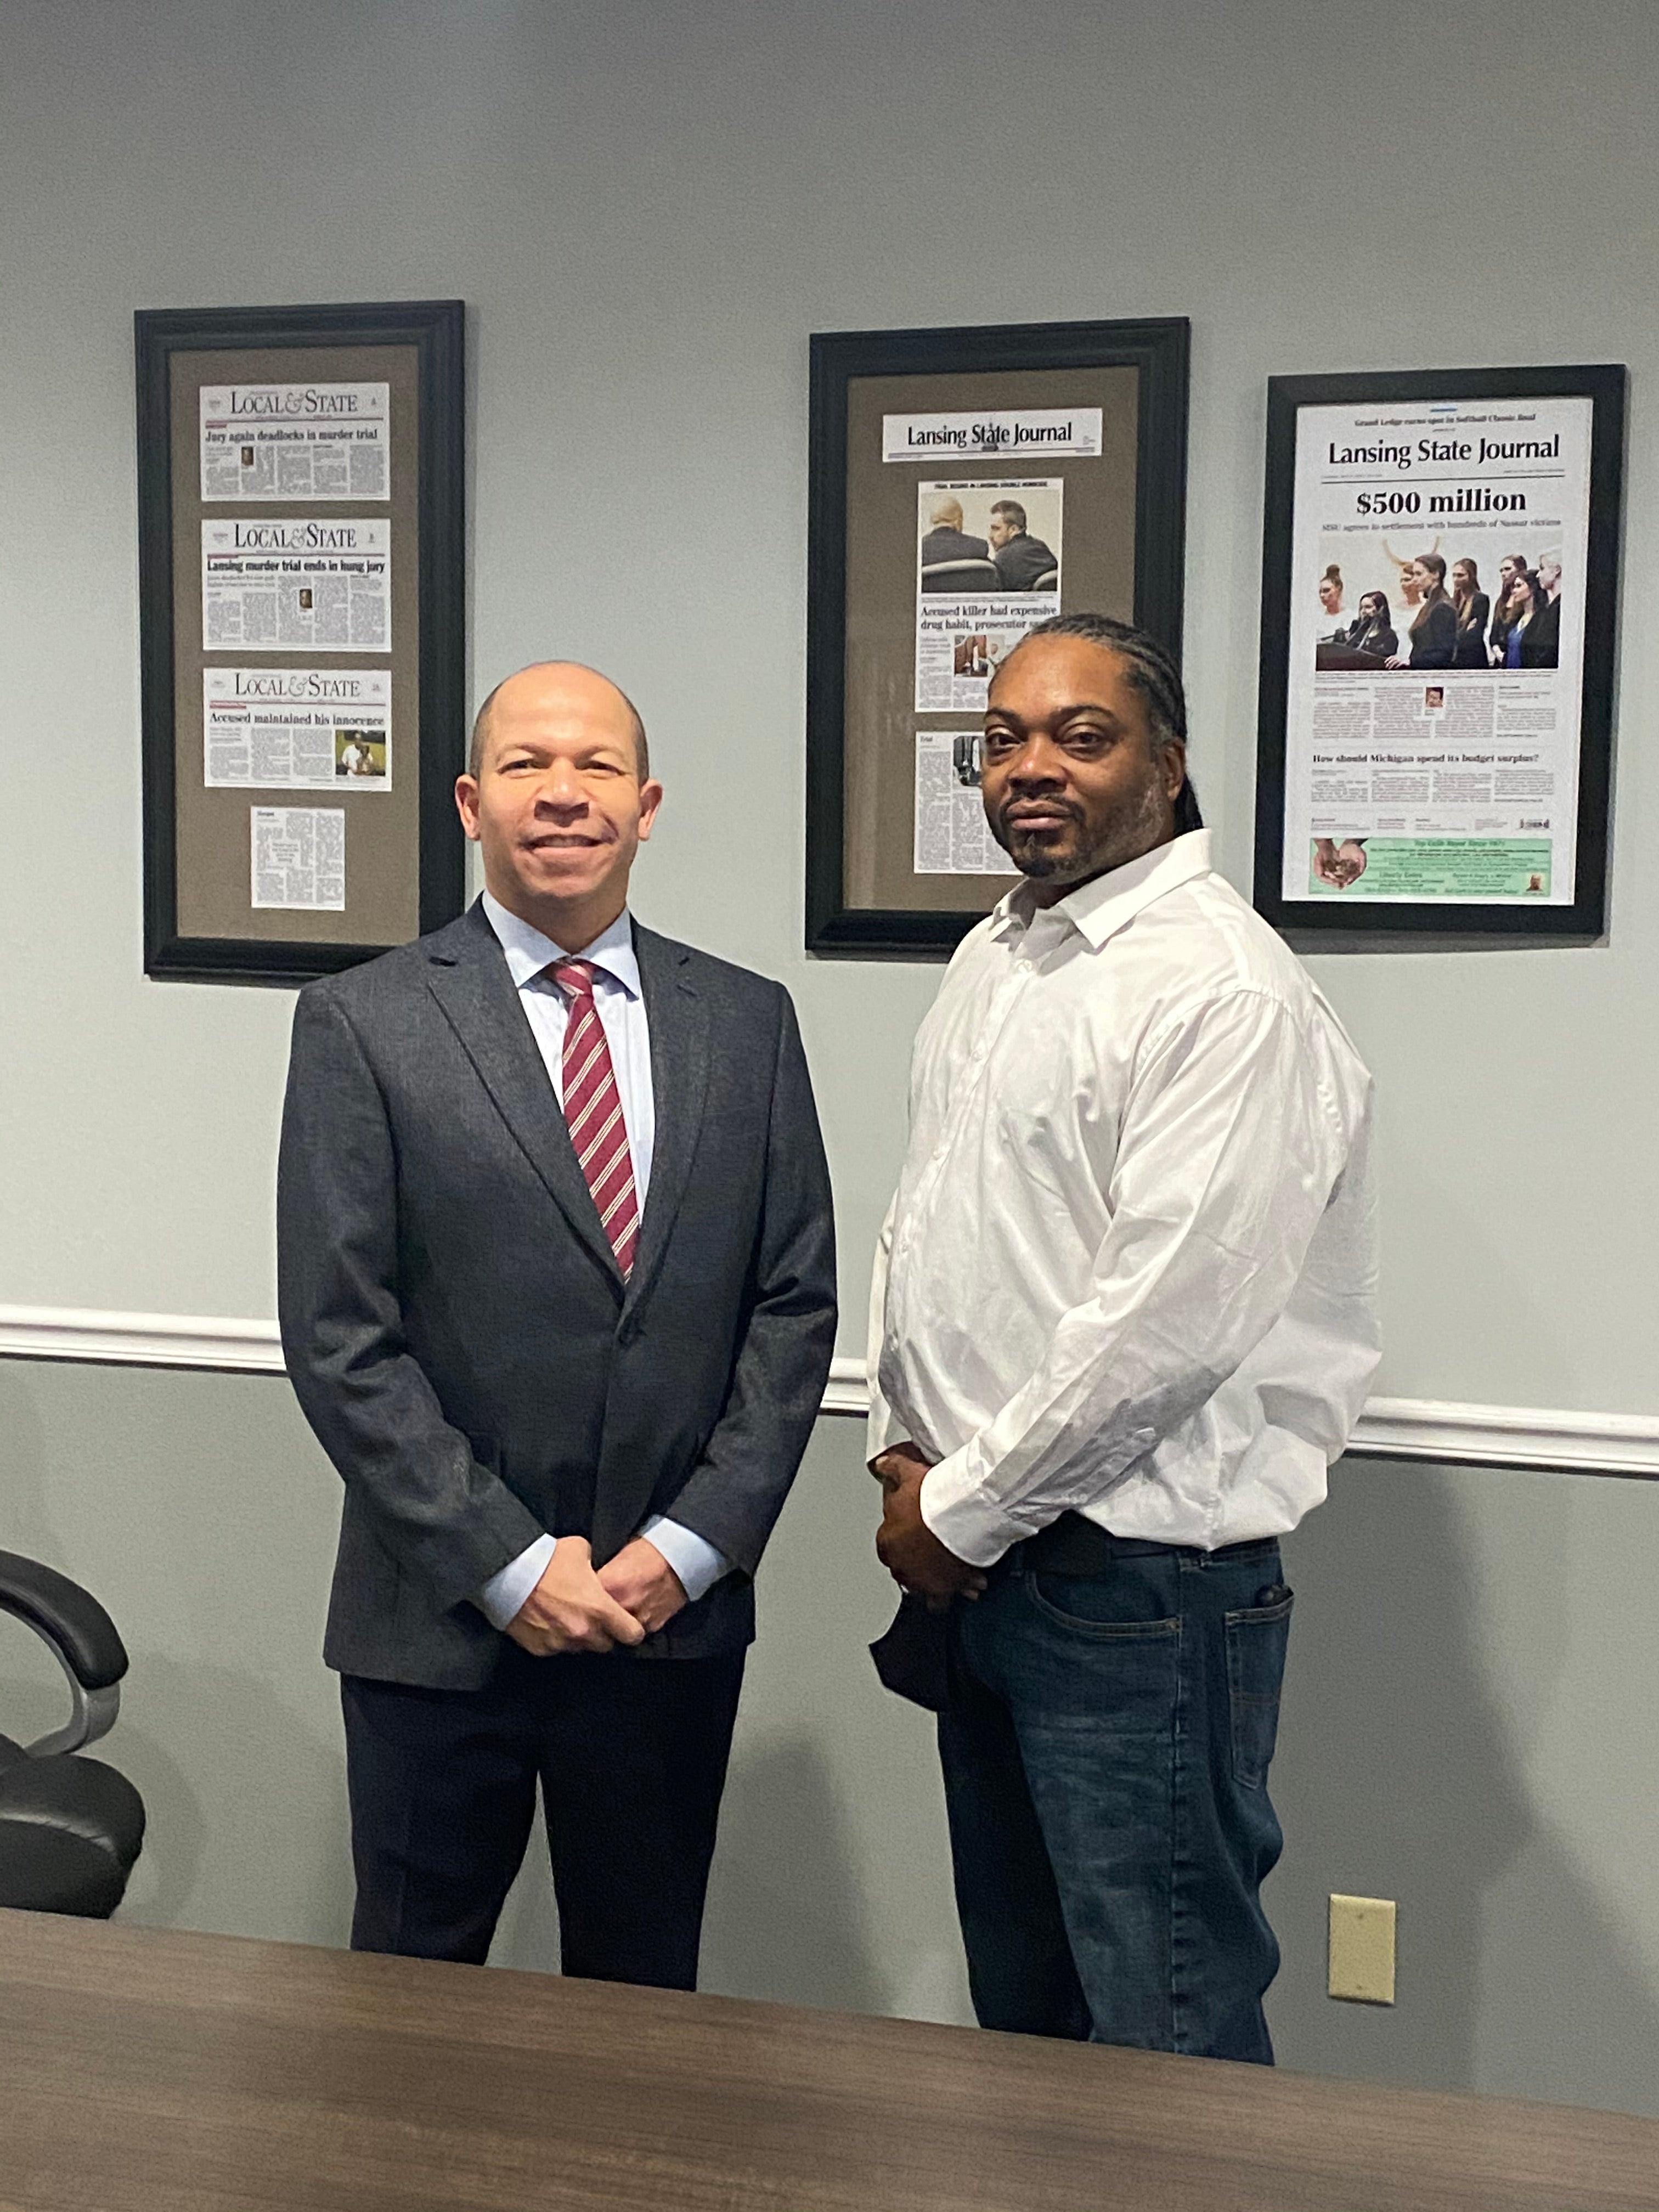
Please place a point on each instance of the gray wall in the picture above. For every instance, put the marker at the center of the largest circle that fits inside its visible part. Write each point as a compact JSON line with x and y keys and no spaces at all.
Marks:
{"x":648,"y":208}
{"x":1469,"y":1728}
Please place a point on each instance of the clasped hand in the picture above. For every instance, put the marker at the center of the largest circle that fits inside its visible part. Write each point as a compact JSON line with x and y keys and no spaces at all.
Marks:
{"x":906,"y":1546}
{"x":575,"y":1608}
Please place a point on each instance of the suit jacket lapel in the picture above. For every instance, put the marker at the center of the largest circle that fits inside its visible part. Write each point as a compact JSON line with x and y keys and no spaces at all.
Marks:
{"x":678,"y":1022}
{"x":470,"y":979}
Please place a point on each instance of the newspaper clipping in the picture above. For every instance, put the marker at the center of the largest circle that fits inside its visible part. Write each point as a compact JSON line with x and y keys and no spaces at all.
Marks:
{"x":297,"y":729}
{"x":299,"y":857}
{"x":304,"y":587}
{"x":988,"y":554}
{"x":296,"y":441}
{"x":952,"y":837}
{"x":1436,"y":642}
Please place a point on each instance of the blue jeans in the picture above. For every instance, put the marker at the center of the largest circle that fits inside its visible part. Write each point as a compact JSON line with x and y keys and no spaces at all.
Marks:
{"x":1105,"y":1766}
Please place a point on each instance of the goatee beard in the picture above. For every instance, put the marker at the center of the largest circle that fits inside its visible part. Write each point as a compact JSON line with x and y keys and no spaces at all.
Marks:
{"x":1125,"y":837}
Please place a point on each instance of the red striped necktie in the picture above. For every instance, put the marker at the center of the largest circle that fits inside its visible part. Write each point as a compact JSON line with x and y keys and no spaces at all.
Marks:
{"x":593,"y":1114}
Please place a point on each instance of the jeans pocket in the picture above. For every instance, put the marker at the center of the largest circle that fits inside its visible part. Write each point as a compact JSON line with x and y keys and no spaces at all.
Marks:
{"x":1101,"y":1661}
{"x":1094,"y":1606}
{"x":1257,"y":1636}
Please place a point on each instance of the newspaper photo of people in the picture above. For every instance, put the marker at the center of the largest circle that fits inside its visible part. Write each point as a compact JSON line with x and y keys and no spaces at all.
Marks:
{"x":1435,"y":651}
{"x":294,"y":584}
{"x":296,"y":728}
{"x":360,"y":755}
{"x":1391,"y":610}
{"x":283,"y":441}
{"x":952,"y":837}
{"x":988,"y":555}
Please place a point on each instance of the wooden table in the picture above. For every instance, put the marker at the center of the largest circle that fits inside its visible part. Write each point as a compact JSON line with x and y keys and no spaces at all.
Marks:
{"x":209,"y":2074}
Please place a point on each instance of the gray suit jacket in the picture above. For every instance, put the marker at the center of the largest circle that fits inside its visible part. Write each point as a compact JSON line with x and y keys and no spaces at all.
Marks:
{"x":454,"y":1322}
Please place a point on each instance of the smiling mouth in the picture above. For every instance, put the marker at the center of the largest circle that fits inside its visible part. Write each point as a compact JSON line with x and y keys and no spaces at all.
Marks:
{"x":571,"y":841}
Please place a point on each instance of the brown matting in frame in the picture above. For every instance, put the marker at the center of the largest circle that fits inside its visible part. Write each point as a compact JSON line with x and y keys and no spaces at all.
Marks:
{"x":389,"y":793}
{"x":1119,"y":513}
{"x":211,"y":827}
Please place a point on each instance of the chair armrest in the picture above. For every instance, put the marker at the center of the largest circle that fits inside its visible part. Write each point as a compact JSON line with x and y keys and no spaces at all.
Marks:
{"x":69,"y":1618}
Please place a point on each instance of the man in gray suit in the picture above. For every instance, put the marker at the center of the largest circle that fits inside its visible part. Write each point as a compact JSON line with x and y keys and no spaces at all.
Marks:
{"x":1020,"y":558}
{"x":557,"y":1288}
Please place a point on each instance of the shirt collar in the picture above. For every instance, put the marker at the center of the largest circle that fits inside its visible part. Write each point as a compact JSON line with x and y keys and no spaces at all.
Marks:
{"x":528,"y":952}
{"x":1100,"y":908}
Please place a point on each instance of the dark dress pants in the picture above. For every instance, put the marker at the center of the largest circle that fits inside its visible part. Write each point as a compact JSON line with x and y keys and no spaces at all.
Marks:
{"x":630,"y":1755}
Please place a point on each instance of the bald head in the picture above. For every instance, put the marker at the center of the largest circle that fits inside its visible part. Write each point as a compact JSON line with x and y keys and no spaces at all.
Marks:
{"x":555,"y":684}
{"x":945,"y":514}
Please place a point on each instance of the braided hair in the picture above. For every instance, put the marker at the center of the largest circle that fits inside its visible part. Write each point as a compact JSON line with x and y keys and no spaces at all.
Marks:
{"x":1153,"y":671}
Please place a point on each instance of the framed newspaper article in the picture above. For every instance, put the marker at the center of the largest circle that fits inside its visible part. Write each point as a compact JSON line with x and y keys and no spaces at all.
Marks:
{"x":302,"y":635}
{"x":1440,"y":578}
{"x":965,"y":485}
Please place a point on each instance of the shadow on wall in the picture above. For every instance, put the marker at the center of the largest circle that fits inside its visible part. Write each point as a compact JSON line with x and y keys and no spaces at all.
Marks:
{"x":785,"y":1920}
{"x":195,"y":1508}
{"x":33,"y":1694}
{"x":831,"y":1880}
{"x":1401,"y":1775}
{"x":788,"y":1903}
{"x":527,"y":1933}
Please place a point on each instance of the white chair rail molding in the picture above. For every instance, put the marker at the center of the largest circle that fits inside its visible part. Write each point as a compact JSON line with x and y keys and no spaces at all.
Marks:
{"x":1393,"y":1428}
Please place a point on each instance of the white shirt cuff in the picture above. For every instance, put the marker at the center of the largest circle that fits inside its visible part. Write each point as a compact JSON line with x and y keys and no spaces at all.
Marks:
{"x":693,"y":1557}
{"x":963,"y":1519}
{"x":882,"y":1429}
{"x":500,"y":1599}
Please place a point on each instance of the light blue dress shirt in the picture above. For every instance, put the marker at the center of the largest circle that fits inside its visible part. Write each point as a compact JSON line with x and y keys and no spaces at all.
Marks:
{"x":619,"y":1004}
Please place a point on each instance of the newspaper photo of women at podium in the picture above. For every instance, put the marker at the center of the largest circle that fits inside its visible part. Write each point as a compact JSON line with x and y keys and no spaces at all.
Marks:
{"x":1432,"y":636}
{"x":1511,"y":566}
{"x":1532,"y":636}
{"x":1333,"y":616}
{"x":1471,"y":607}
{"x":1411,"y":583}
{"x":1373,"y":640}
{"x":1373,"y":636}
{"x":1547,"y":643}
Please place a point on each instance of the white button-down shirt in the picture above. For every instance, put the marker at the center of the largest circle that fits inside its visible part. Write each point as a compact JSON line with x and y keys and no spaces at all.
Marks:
{"x":1130,"y":1268}
{"x":620,"y":1004}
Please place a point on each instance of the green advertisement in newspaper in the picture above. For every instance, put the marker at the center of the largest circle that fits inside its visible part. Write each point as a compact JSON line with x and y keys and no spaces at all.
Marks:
{"x":1429,"y":868}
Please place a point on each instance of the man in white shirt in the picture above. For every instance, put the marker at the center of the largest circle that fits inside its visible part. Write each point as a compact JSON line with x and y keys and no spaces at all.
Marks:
{"x":1122,"y":1322}
{"x":555,"y":1276}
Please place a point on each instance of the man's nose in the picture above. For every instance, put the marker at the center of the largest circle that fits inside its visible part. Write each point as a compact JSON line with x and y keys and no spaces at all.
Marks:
{"x":1036,"y":763}
{"x":562,"y":787}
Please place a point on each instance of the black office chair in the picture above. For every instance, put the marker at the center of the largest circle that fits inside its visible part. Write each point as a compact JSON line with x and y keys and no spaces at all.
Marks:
{"x":70,"y":1828}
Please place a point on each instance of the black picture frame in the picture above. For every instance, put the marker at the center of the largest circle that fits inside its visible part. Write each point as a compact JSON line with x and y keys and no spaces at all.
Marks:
{"x":436,"y":330}
{"x":1325,"y":924}
{"x":1159,"y":349}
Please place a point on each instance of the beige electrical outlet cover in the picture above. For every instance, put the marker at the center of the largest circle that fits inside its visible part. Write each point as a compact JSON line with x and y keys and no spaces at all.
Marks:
{"x":1362,"y":1933}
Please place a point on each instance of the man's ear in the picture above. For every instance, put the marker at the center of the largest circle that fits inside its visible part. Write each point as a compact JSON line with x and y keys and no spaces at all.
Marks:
{"x":1175,"y":767}
{"x":467,"y":805}
{"x":650,"y":800}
